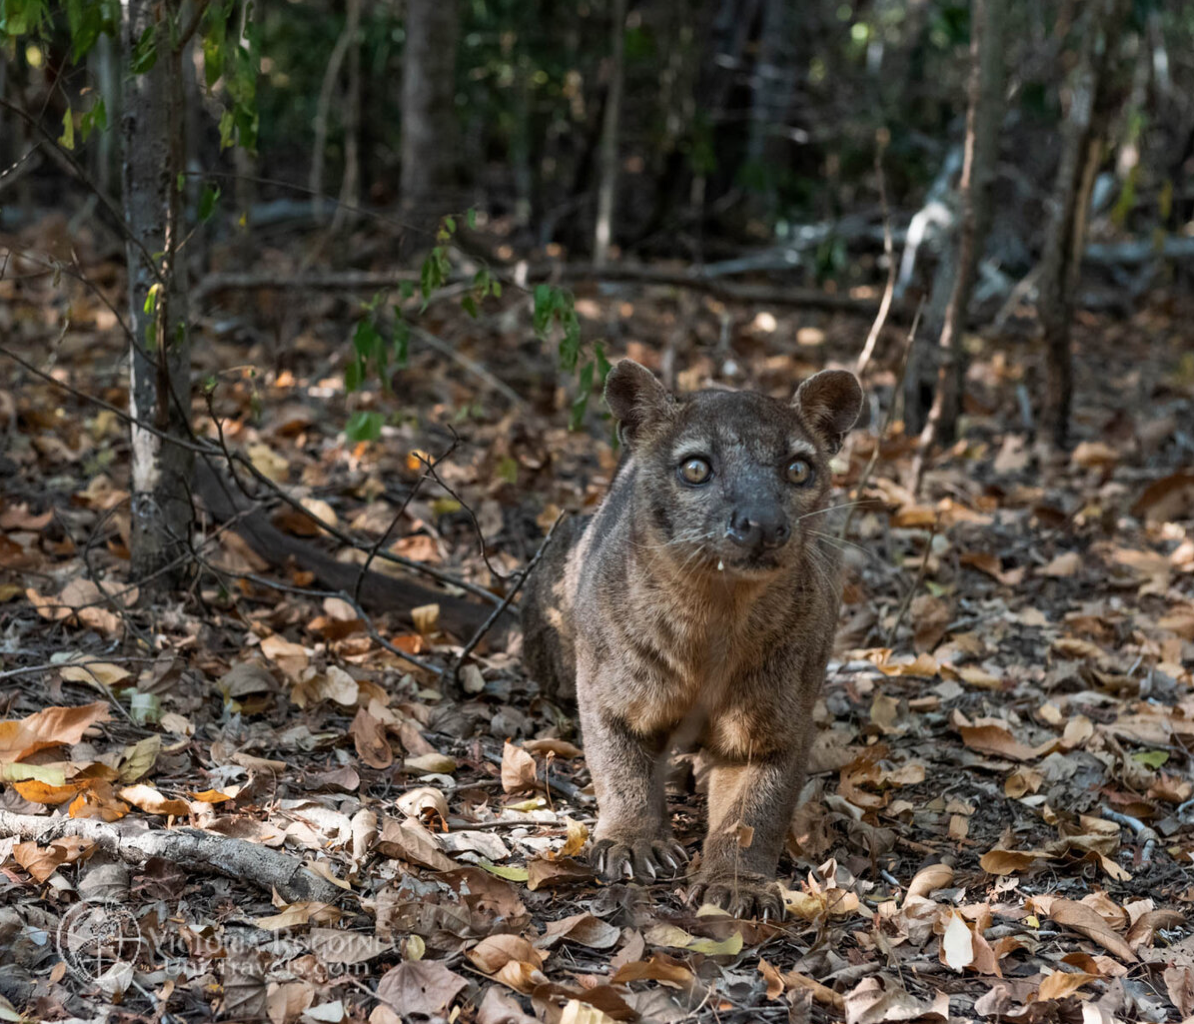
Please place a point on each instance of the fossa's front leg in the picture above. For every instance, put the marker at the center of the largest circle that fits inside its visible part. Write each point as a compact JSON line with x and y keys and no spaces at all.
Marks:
{"x":633,"y":838}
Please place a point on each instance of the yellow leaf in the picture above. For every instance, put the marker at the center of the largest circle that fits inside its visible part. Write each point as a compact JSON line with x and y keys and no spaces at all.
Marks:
{"x":139,"y":758}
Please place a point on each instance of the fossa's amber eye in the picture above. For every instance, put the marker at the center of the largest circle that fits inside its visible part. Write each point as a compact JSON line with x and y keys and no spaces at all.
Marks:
{"x":799,"y":472}
{"x":695,"y":471}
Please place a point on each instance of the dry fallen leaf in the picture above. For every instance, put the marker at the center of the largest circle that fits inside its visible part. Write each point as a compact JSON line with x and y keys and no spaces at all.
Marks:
{"x":421,"y":987}
{"x":51,"y":727}
{"x":518,"y":769}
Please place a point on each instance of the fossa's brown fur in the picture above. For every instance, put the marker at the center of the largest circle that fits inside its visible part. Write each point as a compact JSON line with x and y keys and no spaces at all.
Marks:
{"x":699,"y":609}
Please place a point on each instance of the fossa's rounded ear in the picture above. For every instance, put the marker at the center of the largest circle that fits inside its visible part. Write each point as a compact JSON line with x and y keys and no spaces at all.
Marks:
{"x":829,"y":402}
{"x":636,"y":398}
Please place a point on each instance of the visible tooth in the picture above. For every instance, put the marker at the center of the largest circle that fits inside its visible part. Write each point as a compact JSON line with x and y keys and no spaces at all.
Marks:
{"x":721,"y":566}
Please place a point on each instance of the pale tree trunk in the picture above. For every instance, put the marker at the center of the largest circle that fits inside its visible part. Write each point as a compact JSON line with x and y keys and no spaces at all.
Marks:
{"x":429,"y":131}
{"x":984,"y":115}
{"x":607,"y":185}
{"x":1083,"y":137}
{"x":160,"y":359}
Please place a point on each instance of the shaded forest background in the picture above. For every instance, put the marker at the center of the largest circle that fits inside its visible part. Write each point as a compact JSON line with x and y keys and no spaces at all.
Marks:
{"x":305,"y":310}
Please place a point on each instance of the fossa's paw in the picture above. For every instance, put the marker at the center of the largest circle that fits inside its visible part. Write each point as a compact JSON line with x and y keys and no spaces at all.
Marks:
{"x":644,"y":860}
{"x":744,"y":895}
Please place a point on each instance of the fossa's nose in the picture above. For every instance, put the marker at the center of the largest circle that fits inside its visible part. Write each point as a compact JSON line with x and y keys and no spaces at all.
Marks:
{"x":758,"y":527}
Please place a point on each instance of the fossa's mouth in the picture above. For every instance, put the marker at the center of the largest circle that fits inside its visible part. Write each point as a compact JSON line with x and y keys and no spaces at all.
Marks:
{"x":754,"y":564}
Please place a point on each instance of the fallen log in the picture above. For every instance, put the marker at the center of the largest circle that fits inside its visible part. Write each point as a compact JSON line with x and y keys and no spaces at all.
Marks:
{"x":226,"y":503}
{"x":261,"y":866}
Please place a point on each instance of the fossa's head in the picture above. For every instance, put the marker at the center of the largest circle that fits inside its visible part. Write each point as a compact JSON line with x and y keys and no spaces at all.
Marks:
{"x":731,"y":481}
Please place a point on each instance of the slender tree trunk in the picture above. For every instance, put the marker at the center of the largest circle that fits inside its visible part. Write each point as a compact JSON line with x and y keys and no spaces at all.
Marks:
{"x":1082,"y":142}
{"x":350,"y":184}
{"x":160,"y":363}
{"x":323,"y":108}
{"x":429,"y":132}
{"x":772,"y":85}
{"x":984,"y":115}
{"x":607,"y":186}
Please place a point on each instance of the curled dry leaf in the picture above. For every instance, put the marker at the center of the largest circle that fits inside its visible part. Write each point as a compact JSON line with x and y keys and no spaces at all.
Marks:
{"x":51,"y":727}
{"x":998,"y":740}
{"x":493,"y":953}
{"x":410,"y":841}
{"x":1060,"y":984}
{"x":422,"y":802}
{"x":369,"y":737}
{"x":661,"y":968}
{"x":151,"y":801}
{"x":560,"y":748}
{"x":42,"y":861}
{"x":431,"y":764}
{"x":1010,"y":862}
{"x":1148,"y":924}
{"x":1084,"y":920}
{"x":584,"y":929}
{"x":927,"y":879}
{"x":518,"y":769}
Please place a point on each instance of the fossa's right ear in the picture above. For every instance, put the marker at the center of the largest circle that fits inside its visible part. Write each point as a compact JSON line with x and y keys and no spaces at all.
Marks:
{"x":636,"y":398}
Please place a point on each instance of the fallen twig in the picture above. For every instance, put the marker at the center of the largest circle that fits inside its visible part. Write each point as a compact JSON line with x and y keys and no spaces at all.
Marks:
{"x":501,"y":608}
{"x":1146,"y":835}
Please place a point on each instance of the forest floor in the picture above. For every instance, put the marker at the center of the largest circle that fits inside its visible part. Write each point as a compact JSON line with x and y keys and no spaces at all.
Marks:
{"x":999,"y":822}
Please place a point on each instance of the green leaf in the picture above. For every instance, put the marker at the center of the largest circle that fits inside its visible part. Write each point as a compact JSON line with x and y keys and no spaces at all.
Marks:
{"x":570,"y":342}
{"x":145,"y":52}
{"x":1151,"y":758}
{"x":510,"y":874}
{"x":544,"y":296}
{"x":401,"y":339}
{"x":469,"y":305}
{"x":207,"y":202}
{"x":227,"y":125}
{"x":581,"y":402}
{"x":67,"y":139}
{"x":354,"y":375}
{"x":366,"y":339}
{"x":363,"y":425}
{"x":507,"y":469}
{"x":471,"y":217}
{"x":603,"y":364}
{"x":407,"y":289}
{"x":96,"y":117}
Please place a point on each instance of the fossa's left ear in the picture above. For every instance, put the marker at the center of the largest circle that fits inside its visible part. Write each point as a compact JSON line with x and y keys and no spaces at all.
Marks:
{"x":829,"y":403}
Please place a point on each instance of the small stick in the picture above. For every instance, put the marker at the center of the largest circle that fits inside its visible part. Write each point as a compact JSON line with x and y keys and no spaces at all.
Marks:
{"x":501,"y":608}
{"x":1146,"y":835}
{"x":899,"y":384}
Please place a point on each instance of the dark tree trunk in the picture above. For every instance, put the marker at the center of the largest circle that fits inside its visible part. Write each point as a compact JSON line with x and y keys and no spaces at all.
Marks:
{"x":1083,"y":137}
{"x":429,"y":132}
{"x":983,"y":117}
